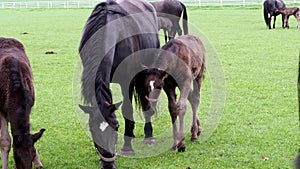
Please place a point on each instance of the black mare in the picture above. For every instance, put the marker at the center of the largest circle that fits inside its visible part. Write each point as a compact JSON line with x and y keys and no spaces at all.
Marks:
{"x":114,"y":33}
{"x":270,"y":7}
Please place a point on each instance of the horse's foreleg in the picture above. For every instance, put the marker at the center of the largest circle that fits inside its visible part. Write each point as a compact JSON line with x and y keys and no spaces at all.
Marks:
{"x":127,"y":112}
{"x":148,"y":130}
{"x":5,"y":142}
{"x":37,"y":161}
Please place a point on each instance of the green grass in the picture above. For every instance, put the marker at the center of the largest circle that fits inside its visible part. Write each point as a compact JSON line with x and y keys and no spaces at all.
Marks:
{"x":260,"y":118}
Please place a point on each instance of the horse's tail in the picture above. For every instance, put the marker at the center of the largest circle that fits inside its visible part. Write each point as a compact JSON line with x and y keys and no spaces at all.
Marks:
{"x":185,"y":19}
{"x":266,"y":16}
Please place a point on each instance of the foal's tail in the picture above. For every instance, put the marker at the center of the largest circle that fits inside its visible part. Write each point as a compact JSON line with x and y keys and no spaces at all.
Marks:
{"x":266,"y":13}
{"x":185,"y":19}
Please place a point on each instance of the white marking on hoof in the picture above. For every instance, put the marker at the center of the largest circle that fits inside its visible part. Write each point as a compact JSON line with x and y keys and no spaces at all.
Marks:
{"x":103,"y":126}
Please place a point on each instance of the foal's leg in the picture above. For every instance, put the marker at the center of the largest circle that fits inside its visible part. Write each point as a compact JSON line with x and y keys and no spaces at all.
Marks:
{"x":36,"y":161}
{"x":170,"y":91}
{"x":127,"y":112}
{"x":194,"y":99}
{"x":5,"y":142}
{"x":184,"y":93}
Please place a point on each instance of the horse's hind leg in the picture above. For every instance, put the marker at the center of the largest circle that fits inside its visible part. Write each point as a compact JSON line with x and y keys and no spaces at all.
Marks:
{"x":37,"y":161}
{"x":275,"y":22}
{"x":194,"y":99}
{"x":5,"y":142}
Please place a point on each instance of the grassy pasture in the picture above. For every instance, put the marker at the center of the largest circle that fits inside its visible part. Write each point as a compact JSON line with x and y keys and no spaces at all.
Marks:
{"x":260,"y":119}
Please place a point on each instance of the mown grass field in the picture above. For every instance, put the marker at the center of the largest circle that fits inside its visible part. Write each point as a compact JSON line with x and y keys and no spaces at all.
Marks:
{"x":260,"y":119}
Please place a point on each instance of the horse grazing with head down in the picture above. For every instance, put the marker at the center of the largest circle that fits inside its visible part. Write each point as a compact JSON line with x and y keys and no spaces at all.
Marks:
{"x":16,"y":101}
{"x":270,"y":7}
{"x":173,"y":9}
{"x":287,"y":12}
{"x":180,"y":63}
{"x":115,"y":32}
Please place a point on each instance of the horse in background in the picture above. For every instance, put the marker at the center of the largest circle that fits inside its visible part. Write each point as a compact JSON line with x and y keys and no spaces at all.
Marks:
{"x":287,"y":12}
{"x":173,"y":9}
{"x":180,"y":63}
{"x":16,"y":101}
{"x":270,"y":7}
{"x":166,"y":25}
{"x":115,"y":31}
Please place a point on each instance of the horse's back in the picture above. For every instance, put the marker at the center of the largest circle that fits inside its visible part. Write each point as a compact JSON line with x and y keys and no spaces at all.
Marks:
{"x":15,"y":71}
{"x":190,"y":50}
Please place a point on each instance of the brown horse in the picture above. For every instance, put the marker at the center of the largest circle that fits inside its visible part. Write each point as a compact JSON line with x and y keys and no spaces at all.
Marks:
{"x":181,"y":62}
{"x":172,"y":9}
{"x":16,"y":101}
{"x":287,"y":12}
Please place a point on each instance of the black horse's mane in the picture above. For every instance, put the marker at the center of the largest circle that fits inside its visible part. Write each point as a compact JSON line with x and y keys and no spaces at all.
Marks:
{"x":96,"y":21}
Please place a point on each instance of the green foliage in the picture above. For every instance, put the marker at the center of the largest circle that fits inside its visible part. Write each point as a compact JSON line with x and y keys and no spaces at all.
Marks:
{"x":259,"y":126}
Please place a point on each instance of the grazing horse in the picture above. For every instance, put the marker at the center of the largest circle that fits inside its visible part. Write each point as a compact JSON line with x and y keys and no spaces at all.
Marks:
{"x":115,"y":31}
{"x":16,"y":101}
{"x":270,"y":7}
{"x":166,"y":25}
{"x":287,"y":12}
{"x":172,"y":9}
{"x":181,"y":62}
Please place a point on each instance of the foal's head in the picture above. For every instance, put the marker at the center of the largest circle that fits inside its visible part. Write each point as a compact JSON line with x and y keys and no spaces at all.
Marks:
{"x":24,"y":150}
{"x":154,"y":81}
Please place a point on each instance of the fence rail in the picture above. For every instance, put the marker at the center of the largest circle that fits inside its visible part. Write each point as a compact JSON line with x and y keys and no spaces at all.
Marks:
{"x":92,"y":3}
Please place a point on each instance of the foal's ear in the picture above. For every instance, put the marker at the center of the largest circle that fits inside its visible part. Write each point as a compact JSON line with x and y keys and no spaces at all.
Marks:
{"x":87,"y":109}
{"x":38,"y":135}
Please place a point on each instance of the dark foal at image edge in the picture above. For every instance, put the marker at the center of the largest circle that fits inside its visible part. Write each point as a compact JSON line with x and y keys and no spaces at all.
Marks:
{"x":16,"y":101}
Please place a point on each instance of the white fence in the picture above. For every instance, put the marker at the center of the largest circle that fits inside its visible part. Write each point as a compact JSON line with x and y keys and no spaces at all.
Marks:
{"x":92,"y":3}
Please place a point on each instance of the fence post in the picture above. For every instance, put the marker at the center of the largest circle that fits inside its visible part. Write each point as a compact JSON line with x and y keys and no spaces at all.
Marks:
{"x":199,"y":3}
{"x":221,"y":3}
{"x":244,"y":3}
{"x":78,"y":6}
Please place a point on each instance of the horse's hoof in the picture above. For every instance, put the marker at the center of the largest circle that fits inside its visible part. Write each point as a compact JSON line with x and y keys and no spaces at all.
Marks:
{"x":39,"y":166}
{"x":181,"y":147}
{"x":126,"y":153}
{"x":193,"y":139}
{"x":149,"y":141}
